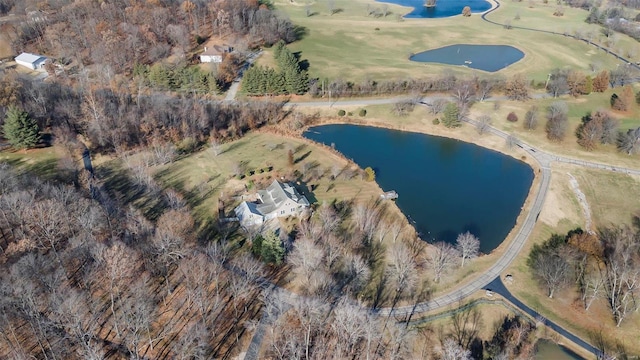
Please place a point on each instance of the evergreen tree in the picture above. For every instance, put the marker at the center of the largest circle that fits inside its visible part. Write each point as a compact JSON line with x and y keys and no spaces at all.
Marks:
{"x":272,"y":249}
{"x":277,"y":49}
{"x":20,"y":129}
{"x":451,"y":116}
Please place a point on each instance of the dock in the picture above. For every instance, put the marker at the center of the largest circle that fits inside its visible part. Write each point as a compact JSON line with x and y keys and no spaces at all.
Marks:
{"x":389,"y":195}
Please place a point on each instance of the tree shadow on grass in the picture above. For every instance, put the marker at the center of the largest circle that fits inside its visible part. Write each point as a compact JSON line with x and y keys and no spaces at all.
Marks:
{"x":300,"y":32}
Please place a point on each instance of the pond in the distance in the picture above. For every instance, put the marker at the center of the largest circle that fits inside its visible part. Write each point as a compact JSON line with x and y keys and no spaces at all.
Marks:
{"x":443,"y":8}
{"x":546,"y":349}
{"x":482,"y":57}
{"x":445,"y":186}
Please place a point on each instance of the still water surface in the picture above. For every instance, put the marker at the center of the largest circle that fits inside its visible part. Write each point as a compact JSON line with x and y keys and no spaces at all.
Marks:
{"x":489,"y":58}
{"x":445,"y":186}
{"x":443,"y":8}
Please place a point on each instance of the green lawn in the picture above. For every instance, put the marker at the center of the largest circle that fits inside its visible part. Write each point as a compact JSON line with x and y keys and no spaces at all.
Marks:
{"x":353,"y":46}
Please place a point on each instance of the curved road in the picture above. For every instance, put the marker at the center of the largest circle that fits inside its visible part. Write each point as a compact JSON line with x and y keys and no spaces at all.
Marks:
{"x":484,"y":17}
{"x":491,"y":278}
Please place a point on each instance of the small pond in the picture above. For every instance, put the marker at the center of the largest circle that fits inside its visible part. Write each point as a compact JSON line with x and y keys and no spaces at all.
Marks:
{"x":443,"y":8}
{"x":445,"y":186}
{"x":546,"y":349}
{"x":482,"y":57}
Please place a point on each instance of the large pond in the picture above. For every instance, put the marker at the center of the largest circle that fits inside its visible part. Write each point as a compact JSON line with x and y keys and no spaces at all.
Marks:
{"x":443,"y":8}
{"x":546,"y":349}
{"x":482,"y":57}
{"x":445,"y":186}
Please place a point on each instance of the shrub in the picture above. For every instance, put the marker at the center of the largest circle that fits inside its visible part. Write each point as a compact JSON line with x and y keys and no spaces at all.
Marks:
{"x":341,"y":113}
{"x":512,"y":117}
{"x":349,"y":113}
{"x":371,"y":174}
{"x":436,"y":121}
{"x":466,"y":11}
{"x":363,"y":112}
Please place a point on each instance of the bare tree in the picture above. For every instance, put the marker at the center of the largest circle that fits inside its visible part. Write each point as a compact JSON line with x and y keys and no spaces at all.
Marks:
{"x":468,"y":246}
{"x":622,"y":271}
{"x":442,"y":256}
{"x":629,"y":142}
{"x":483,"y":124}
{"x":464,"y":92}
{"x":438,"y":105}
{"x":552,"y":269}
{"x":305,"y":258}
{"x":402,"y":270}
{"x":511,"y":141}
{"x":531,"y":118}
{"x":487,"y":86}
{"x":453,"y":351}
{"x":366,"y":217}
{"x":557,"y":121}
{"x":348,"y":327}
{"x":592,"y":288}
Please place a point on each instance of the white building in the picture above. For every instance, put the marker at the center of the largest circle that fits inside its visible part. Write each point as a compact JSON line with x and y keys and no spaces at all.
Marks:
{"x":214,"y":54}
{"x":31,"y":61}
{"x":277,"y":200}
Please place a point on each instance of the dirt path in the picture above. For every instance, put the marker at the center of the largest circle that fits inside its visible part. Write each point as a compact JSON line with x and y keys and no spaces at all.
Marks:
{"x":582,"y":199}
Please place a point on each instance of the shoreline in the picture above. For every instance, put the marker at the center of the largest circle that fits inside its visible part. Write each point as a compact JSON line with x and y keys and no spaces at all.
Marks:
{"x":486,"y":141}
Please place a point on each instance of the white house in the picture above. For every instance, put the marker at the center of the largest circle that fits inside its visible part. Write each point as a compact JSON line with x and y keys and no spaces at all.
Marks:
{"x":214,"y":54}
{"x":277,"y":200}
{"x":32,"y":61}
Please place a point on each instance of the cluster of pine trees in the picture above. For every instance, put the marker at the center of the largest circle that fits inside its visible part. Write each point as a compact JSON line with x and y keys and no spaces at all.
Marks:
{"x":289,"y":78}
{"x":177,"y":78}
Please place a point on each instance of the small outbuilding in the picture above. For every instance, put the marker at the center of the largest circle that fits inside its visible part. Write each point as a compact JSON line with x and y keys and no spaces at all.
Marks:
{"x":215,"y":54}
{"x":31,"y":61}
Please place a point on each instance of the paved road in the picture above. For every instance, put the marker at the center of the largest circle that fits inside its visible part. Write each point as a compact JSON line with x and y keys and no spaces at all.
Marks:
{"x":488,"y":278}
{"x":491,"y":278}
{"x":513,"y":248}
{"x":235,"y":85}
{"x":619,"y":57}
{"x":498,"y":287}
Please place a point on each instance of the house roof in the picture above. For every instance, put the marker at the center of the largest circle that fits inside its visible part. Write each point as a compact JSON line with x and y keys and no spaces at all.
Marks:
{"x":29,"y":58}
{"x":276,"y":194}
{"x":215,"y":50}
{"x":246,"y":208}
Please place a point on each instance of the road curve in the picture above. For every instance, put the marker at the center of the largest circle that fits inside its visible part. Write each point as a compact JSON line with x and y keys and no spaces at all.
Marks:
{"x":512,"y":250}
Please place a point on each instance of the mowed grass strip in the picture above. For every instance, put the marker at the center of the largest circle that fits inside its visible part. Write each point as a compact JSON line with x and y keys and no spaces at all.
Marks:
{"x":353,"y":46}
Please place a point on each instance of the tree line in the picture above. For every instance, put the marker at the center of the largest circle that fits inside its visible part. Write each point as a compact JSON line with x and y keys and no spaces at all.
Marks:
{"x":113,"y":121}
{"x":289,"y":78}
{"x":602,"y":267}
{"x":115,"y":36}
{"x":85,"y":277}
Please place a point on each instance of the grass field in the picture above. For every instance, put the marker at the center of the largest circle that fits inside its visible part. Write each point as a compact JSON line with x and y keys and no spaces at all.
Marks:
{"x":212,"y":176}
{"x":353,"y":46}
{"x":569,"y":147}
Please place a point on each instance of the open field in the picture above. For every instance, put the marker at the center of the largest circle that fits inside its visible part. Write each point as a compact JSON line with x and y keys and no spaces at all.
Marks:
{"x":353,"y":46}
{"x":578,"y":107}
